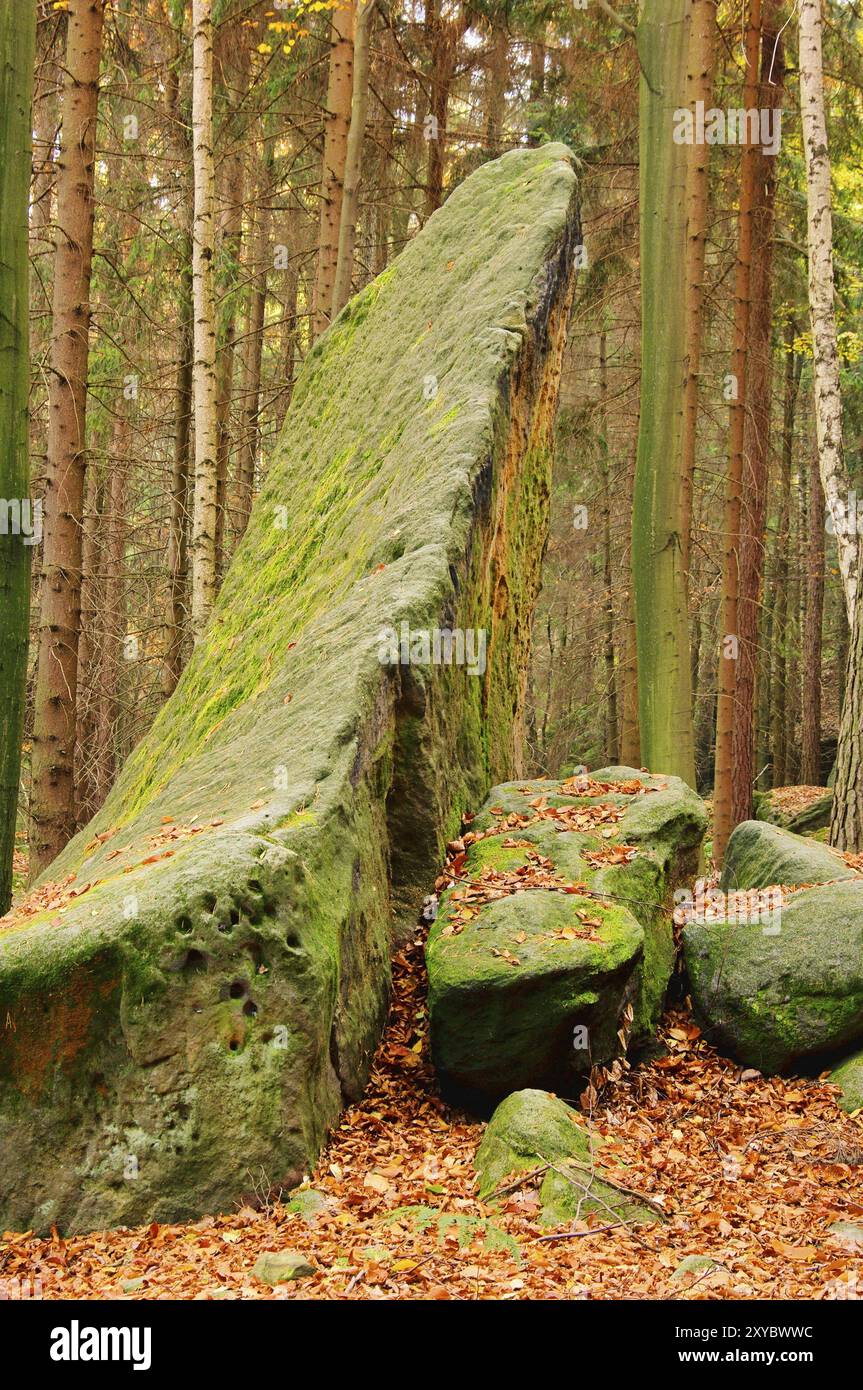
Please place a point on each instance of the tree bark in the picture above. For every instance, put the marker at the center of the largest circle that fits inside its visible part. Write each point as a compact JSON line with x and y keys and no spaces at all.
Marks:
{"x":17,"y":56}
{"x":756,"y":435}
{"x":723,"y":817}
{"x":350,"y":210}
{"x":205,"y":500}
{"x":336,"y":130}
{"x":810,"y":771}
{"x":699,"y":87}
{"x":825,"y":366}
{"x":52,"y":800}
{"x":664,"y":681}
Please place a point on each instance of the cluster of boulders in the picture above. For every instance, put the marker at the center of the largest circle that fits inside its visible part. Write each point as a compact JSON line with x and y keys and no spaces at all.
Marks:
{"x":554,"y":946}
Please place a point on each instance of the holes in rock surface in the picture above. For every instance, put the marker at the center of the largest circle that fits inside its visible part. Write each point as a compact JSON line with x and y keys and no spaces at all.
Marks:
{"x":195,"y":963}
{"x":238,"y":990}
{"x":250,"y":1008}
{"x":234,"y":917}
{"x":293,"y":941}
{"x":209,"y":903}
{"x":184,"y":925}
{"x":234,"y":1045}
{"x":225,"y":928}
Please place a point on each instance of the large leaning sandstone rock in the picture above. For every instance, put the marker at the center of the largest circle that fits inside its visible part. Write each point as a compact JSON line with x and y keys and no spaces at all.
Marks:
{"x":183,"y":1032}
{"x":542,"y":951}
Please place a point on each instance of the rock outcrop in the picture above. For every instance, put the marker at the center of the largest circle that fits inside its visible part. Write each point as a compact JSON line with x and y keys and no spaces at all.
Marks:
{"x":190,"y":1008}
{"x":557,"y":936}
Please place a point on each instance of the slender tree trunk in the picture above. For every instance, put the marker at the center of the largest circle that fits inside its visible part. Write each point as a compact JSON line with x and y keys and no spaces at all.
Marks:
{"x":336,"y":130}
{"x":611,"y":731}
{"x":444,"y":37}
{"x":699,"y":87}
{"x":205,"y":503}
{"x":825,"y":367}
{"x":723,"y":817}
{"x":108,"y":735}
{"x":756,"y":436}
{"x":253,"y":347}
{"x":17,"y":56}
{"x":810,"y":771}
{"x":496,"y":81}
{"x":350,"y":210}
{"x":52,"y":800}
{"x":664,"y":685}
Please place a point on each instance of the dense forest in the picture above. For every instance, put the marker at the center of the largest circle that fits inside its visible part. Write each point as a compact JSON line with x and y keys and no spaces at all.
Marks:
{"x":529,"y":333}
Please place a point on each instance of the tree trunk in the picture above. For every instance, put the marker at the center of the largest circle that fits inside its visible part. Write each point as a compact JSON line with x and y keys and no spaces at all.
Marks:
{"x":205,"y":504}
{"x":723,"y":817}
{"x":336,"y":130}
{"x":756,"y":436}
{"x":664,"y":687}
{"x":699,"y":87}
{"x":17,"y":56}
{"x":253,"y":345}
{"x":611,"y":732}
{"x":350,"y":210}
{"x":810,"y":771}
{"x":52,"y":800}
{"x":444,"y":37}
{"x":825,"y":366}
{"x":496,"y":80}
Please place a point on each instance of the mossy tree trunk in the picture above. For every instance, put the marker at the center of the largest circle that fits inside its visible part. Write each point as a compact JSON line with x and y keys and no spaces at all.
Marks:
{"x":17,"y":51}
{"x":664,"y":685}
{"x":729,"y":635}
{"x":52,"y":799}
{"x":699,"y":87}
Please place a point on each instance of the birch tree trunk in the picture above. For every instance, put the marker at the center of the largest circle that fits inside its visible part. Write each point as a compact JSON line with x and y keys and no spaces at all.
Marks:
{"x":825,"y":367}
{"x":17,"y":53}
{"x":204,"y":389}
{"x":52,"y":798}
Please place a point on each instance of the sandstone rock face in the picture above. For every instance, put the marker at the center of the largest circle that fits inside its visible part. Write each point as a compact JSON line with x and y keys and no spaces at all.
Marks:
{"x":188,"y":1025}
{"x":760,"y":854}
{"x":557,"y":937}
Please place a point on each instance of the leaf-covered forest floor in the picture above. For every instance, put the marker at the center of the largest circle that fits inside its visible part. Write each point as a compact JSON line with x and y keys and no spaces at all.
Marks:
{"x":751,"y":1172}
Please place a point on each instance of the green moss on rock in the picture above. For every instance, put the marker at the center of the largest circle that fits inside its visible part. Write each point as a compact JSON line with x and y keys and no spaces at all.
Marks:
{"x":532,"y":1132}
{"x":848,"y":1076}
{"x":773,"y":994}
{"x":516,"y":998}
{"x":760,"y":854}
{"x":199,"y":1017}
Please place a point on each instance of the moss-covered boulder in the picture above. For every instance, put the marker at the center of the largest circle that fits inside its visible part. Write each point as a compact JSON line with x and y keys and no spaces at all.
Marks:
{"x":848,"y":1076}
{"x":759,"y":854}
{"x":782,"y":806}
{"x":775,"y":993}
{"x":533,"y":1133}
{"x":182,"y":1031}
{"x":555,"y":937}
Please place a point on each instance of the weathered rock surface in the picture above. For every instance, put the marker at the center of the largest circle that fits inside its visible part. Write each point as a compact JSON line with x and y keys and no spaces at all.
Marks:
{"x":201,"y":1011}
{"x":849,"y":1076}
{"x":759,"y":854}
{"x":532,"y":1130}
{"x":774,"y":995}
{"x":547,"y":948}
{"x":815,"y":816}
